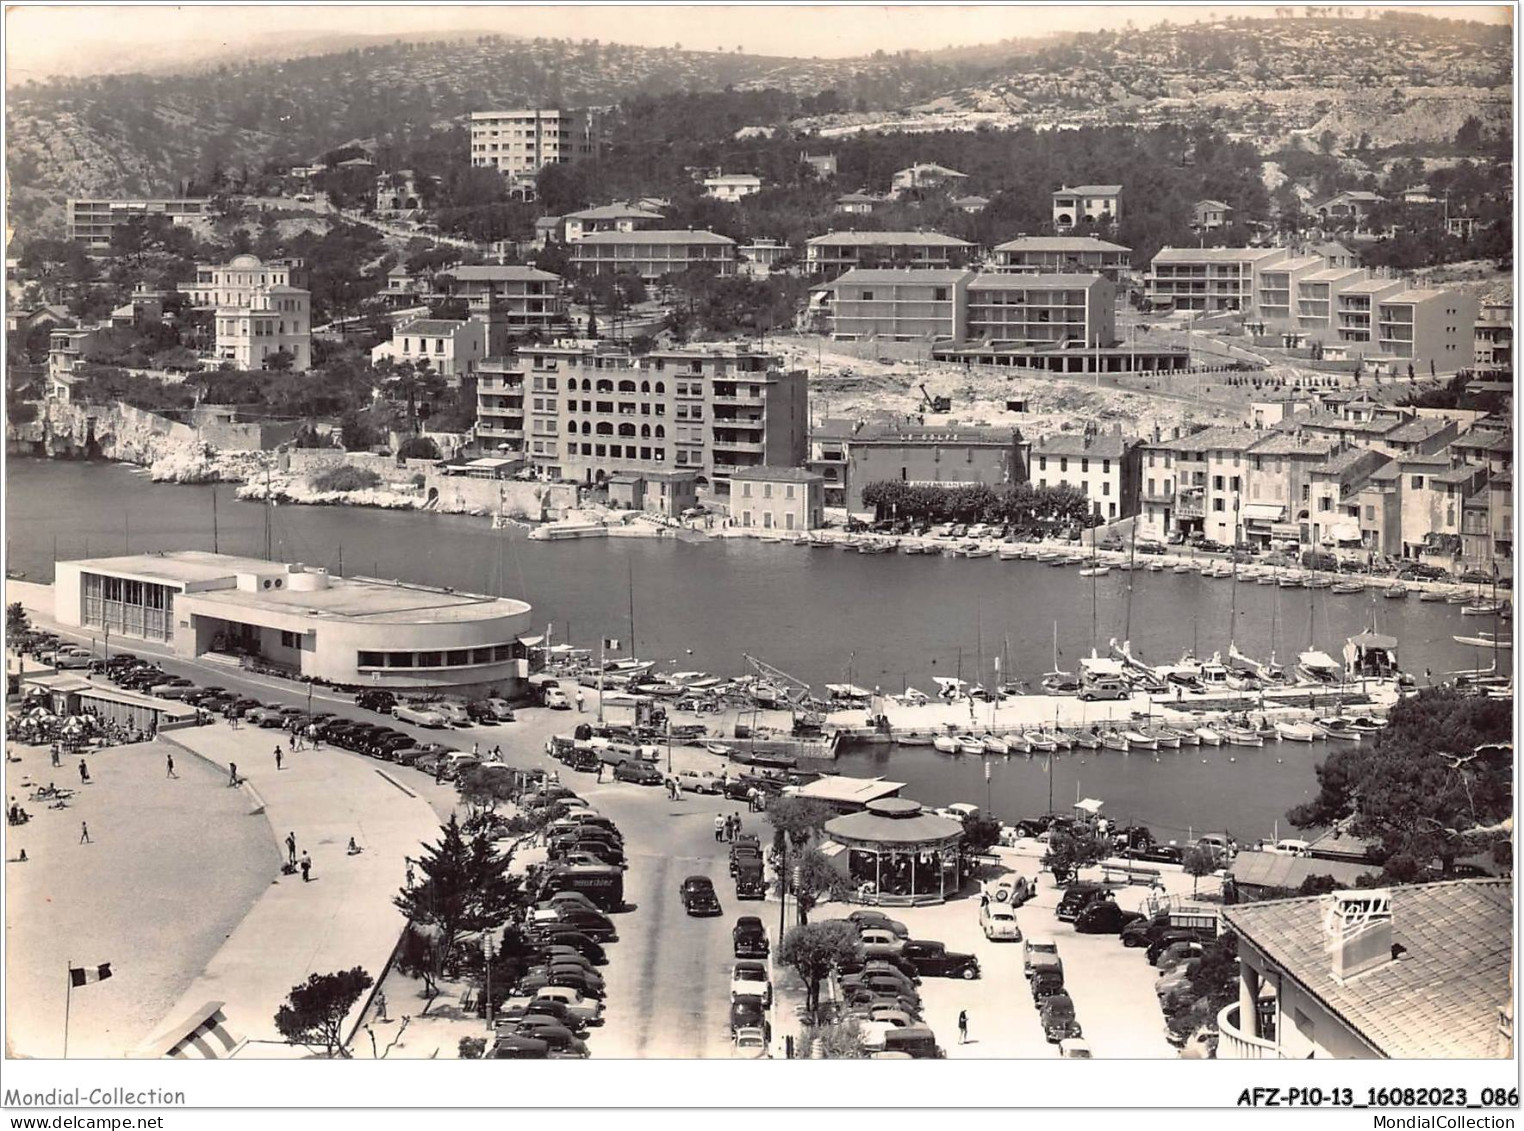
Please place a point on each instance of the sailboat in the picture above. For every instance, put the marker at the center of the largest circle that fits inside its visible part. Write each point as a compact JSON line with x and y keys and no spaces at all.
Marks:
{"x":1057,"y":681}
{"x":1485,"y":639}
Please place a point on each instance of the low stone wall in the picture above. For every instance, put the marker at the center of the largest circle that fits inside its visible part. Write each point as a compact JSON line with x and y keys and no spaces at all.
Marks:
{"x":250,"y":437}
{"x":458,"y":494}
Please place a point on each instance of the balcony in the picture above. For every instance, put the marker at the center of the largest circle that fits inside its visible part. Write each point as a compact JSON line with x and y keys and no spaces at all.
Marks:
{"x":740,"y":400}
{"x":1235,"y":1044}
{"x":1191,"y":505}
{"x":735,"y":445}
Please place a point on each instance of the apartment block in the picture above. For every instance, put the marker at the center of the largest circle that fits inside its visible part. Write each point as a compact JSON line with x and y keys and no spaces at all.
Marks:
{"x":1212,"y":280}
{"x":510,"y":300}
{"x":451,"y":349}
{"x":653,"y":253}
{"x":951,"y":456}
{"x":235,"y":282}
{"x":1276,"y":299}
{"x":1062,"y":255}
{"x":1494,"y":339}
{"x":519,"y":143}
{"x":1086,"y":204}
{"x":1276,"y":507}
{"x":837,"y":252}
{"x":92,"y":220}
{"x":500,"y":404}
{"x":1335,"y":486}
{"x":1038,"y":309}
{"x":1428,"y":328}
{"x":595,"y":410}
{"x":1317,"y":300}
{"x":777,"y":498}
{"x":1106,"y":466}
{"x":899,"y":305}
{"x":1354,"y":309}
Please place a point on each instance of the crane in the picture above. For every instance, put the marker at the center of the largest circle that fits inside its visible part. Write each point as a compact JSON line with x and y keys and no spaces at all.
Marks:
{"x":806,"y":720}
{"x":936,"y":404}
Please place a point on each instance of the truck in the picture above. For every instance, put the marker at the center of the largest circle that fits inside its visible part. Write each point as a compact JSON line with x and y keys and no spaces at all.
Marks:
{"x":603,"y":884}
{"x":1196,"y":919}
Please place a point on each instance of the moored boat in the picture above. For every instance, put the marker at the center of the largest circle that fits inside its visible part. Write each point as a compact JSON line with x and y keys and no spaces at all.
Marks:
{"x":1336,"y":726}
{"x":912,"y":740}
{"x":1483,"y":609}
{"x":1395,"y":592}
{"x":1351,"y":586}
{"x":1116,"y":740}
{"x":1155,"y":567}
{"x":1141,"y":740}
{"x":1298,"y":732}
{"x":1087,"y":740}
{"x":994,"y":744}
{"x":1484,"y":640}
{"x":1433,"y":596}
{"x":1037,"y":740}
{"x":1182,"y":737}
{"x":945,"y":743}
{"x":1242,"y":736}
{"x":1063,"y":738}
{"x":1208,"y":737}
{"x":970,"y":745}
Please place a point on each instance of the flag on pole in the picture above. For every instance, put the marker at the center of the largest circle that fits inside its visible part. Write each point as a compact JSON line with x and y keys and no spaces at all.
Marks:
{"x":610,"y":644}
{"x":84,"y":975}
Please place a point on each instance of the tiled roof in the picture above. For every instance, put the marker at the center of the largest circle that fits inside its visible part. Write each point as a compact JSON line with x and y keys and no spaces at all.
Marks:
{"x":1414,"y":430}
{"x":1008,"y":282}
{"x":1293,"y":444}
{"x":902,"y":275}
{"x":1332,"y":421}
{"x":614,"y":212}
{"x":1348,"y":459}
{"x":1282,"y":870}
{"x":1463,"y":474}
{"x":1214,"y":204}
{"x":859,"y":198}
{"x":1215,"y":254}
{"x":971,"y":200}
{"x":1440,"y":999}
{"x":1387,"y":472}
{"x":431,"y":327}
{"x":654,"y":236}
{"x":776,"y":474}
{"x":1485,"y":440}
{"x":886,"y":239}
{"x":1106,"y":445}
{"x":930,"y":167}
{"x":1092,"y":190}
{"x":1059,"y":243}
{"x":501,"y":273}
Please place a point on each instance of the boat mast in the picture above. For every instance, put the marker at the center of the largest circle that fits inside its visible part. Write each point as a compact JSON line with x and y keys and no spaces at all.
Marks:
{"x":214,"y":518}
{"x":631,"y":563}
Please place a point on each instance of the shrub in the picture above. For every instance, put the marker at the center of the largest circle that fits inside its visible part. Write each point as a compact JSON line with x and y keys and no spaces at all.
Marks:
{"x":345,"y":478}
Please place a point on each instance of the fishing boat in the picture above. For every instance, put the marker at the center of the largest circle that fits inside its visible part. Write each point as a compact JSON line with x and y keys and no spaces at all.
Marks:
{"x":1115,"y":740}
{"x":1267,"y":579}
{"x":1395,"y":592}
{"x":912,"y":740}
{"x":1181,"y":737}
{"x":1186,"y":567}
{"x":1037,"y":740}
{"x":1017,"y":743}
{"x":1218,"y":571}
{"x":1267,"y":672}
{"x":1318,"y":581}
{"x":1087,"y":740}
{"x":1062,"y":737}
{"x":912,"y":548}
{"x":1049,"y":556}
{"x":993,"y":744}
{"x":1127,"y":567}
{"x":1075,"y":559}
{"x":1367,"y":724}
{"x":1164,"y":737}
{"x":1095,"y":571}
{"x":719,"y":748}
{"x":1291,"y":581}
{"x":1433,"y":596}
{"x":1459,"y":597}
{"x":1155,"y":567}
{"x":978,"y":552}
{"x":970,"y":745}
{"x":1298,"y":732}
{"x":946,"y":743}
{"x":1009,"y":552}
{"x":1141,"y":740}
{"x":1484,"y":609}
{"x":770,"y":538}
{"x":820,"y":543}
{"x":1318,"y":667}
{"x":629,"y":668}
{"x":1484,"y":640}
{"x":1345,"y":587}
{"x":1336,"y":726}
{"x":1241,"y":736}
{"x":1207,"y":736}
{"x":875,"y":546}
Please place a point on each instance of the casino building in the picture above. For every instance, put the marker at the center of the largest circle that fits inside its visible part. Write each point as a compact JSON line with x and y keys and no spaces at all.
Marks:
{"x":356,"y":631}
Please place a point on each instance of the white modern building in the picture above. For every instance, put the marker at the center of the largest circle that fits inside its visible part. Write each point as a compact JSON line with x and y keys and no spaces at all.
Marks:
{"x":351,"y":631}
{"x":452,"y":349}
{"x":519,"y":143}
{"x":731,"y":187}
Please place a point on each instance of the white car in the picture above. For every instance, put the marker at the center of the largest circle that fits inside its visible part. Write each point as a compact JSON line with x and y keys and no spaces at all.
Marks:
{"x":1072,"y":1048}
{"x":452,"y":713}
{"x":1035,"y":945}
{"x":693,"y":781}
{"x":556,"y":700}
{"x":980,"y":530}
{"x":998,"y":920}
{"x":880,"y":936}
{"x":418,"y":716}
{"x":1010,"y":889}
{"x":749,"y":979}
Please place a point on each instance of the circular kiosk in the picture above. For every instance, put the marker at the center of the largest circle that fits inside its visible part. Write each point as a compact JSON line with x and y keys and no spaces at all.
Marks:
{"x":898,"y":855}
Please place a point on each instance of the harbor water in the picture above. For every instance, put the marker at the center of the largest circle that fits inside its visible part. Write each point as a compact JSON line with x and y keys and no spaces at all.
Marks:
{"x":823,"y":615}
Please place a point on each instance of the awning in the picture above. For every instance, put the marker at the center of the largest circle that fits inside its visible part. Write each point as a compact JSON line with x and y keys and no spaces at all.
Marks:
{"x":1089,"y":805}
{"x":1285,"y":530}
{"x":203,"y":1035}
{"x":1263,"y":512}
{"x":531,"y":641}
{"x":1345,"y":531}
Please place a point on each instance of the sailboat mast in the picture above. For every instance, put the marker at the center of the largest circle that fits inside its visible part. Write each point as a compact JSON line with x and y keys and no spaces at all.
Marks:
{"x":631,"y":563}
{"x":214,"y":518}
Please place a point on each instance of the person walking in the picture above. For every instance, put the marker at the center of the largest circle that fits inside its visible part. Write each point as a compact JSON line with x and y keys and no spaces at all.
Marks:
{"x":232,"y":775}
{"x":719,"y":826}
{"x":291,"y":849}
{"x":306,"y":866}
{"x":84,"y":833}
{"x":278,"y":758}
{"x":963,"y":1026}
{"x":409,"y":873}
{"x":84,"y":773}
{"x":169,"y":765}
{"x":580,"y":701}
{"x":57,"y":761}
{"x":476,"y":750}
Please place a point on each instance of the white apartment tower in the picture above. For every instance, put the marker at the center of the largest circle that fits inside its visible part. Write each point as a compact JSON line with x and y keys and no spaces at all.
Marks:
{"x":519,"y":143}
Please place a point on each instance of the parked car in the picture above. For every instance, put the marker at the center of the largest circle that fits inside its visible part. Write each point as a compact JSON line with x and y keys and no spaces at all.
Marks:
{"x":1078,"y":897}
{"x":698,"y":896}
{"x":747,"y":1013}
{"x":749,"y":938}
{"x":693,"y":781}
{"x":418,"y":716}
{"x":1167,"y":938}
{"x":1011,"y":889}
{"x":933,"y":960}
{"x":869,"y":918}
{"x":455,"y":714}
{"x":1071,"y":1048}
{"x":883,"y":981}
{"x":879,"y":936}
{"x":998,"y":921}
{"x":1104,"y":918}
{"x":382,"y":701}
{"x":1177,"y":954}
{"x":637,"y":772}
{"x":1039,"y":950}
{"x":556,"y":699}
{"x":748,"y":978}
{"x":1058,"y":1020}
{"x":914,"y":1041}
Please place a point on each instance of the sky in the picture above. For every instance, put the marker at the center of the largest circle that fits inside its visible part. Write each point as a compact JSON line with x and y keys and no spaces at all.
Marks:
{"x":48,"y":39}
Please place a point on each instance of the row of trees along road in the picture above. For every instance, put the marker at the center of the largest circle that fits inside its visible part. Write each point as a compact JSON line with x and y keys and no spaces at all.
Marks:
{"x":1019,"y":504}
